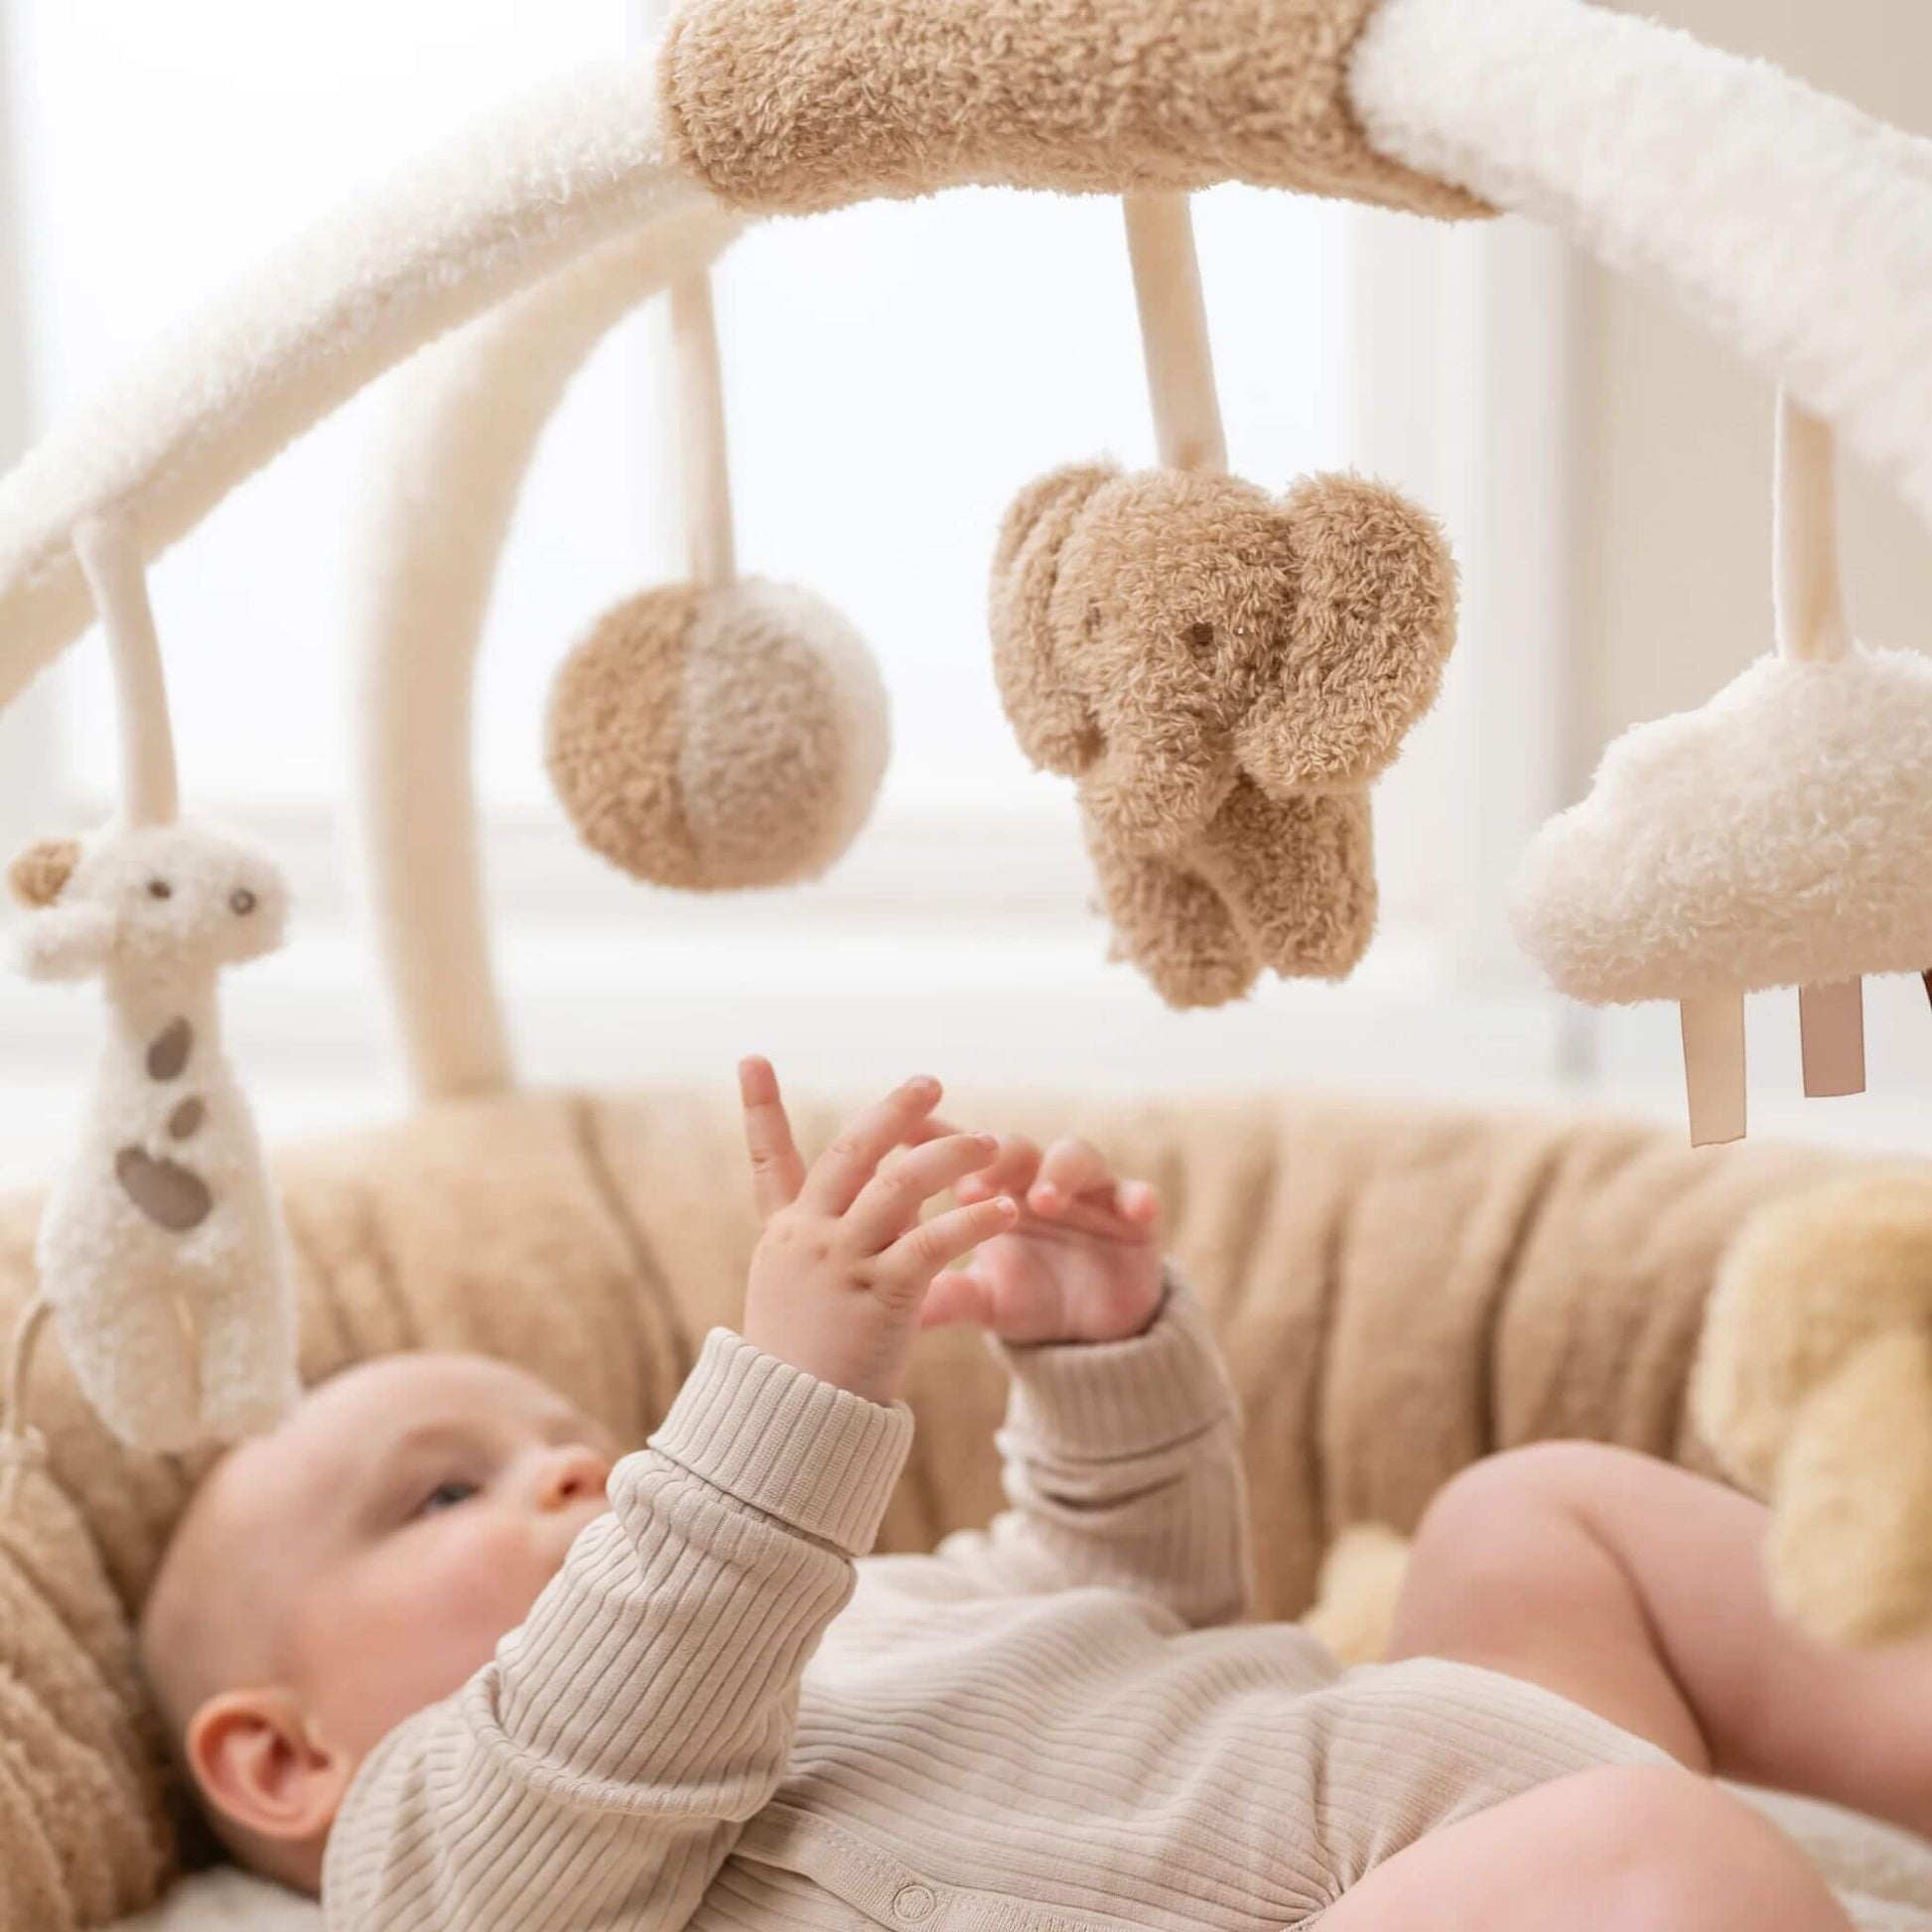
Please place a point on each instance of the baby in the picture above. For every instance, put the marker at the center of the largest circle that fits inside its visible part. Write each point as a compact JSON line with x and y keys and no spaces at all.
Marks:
{"x":432,"y":1651}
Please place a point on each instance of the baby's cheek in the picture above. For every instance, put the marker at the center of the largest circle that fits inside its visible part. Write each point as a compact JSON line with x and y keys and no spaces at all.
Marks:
{"x":480,"y":1581}
{"x":418,"y":1620}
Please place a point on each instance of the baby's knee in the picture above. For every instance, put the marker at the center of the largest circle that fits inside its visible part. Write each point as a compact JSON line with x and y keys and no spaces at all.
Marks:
{"x":1500,"y":1511}
{"x":1671,"y":1850}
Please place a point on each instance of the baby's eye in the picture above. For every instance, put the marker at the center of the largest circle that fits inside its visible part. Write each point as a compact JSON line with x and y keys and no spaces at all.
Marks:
{"x":446,"y":1496}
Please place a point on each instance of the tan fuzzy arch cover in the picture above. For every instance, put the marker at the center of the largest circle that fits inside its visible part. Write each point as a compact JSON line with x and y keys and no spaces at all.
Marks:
{"x":1399,"y":1292}
{"x":795,"y":106}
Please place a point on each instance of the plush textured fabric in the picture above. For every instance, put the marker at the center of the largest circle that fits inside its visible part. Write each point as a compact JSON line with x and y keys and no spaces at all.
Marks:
{"x":1815,"y":1386}
{"x":790,"y":109}
{"x":1400,"y":1292}
{"x":1772,"y":837}
{"x":1796,"y":229}
{"x":722,"y":738}
{"x":1224,"y":674}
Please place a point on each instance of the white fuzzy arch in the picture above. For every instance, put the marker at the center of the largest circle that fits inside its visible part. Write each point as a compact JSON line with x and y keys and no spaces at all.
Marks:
{"x":469,"y":421}
{"x":1795,"y":228}
{"x":517,"y":199}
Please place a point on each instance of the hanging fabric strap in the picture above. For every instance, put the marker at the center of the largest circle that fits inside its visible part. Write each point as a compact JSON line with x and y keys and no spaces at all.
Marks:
{"x":1812,"y":628}
{"x":1174,"y":333}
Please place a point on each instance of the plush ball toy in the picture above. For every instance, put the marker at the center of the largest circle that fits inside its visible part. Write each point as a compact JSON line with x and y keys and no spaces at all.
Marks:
{"x":1224,"y":674}
{"x":715,"y":740}
{"x":1814,"y":1388}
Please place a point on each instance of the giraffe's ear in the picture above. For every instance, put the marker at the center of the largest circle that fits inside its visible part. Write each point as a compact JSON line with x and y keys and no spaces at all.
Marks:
{"x":37,"y":877}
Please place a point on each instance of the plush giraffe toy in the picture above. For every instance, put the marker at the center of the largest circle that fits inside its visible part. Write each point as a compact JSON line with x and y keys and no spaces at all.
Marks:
{"x":162,"y":1255}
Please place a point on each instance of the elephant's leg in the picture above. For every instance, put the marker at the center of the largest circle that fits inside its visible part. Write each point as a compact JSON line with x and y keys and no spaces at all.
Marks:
{"x":130,"y":1349}
{"x":1171,"y":924}
{"x":1298,"y":876}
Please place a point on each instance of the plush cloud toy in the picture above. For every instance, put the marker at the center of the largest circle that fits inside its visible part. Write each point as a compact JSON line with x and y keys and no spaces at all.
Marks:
{"x":1773,"y":838}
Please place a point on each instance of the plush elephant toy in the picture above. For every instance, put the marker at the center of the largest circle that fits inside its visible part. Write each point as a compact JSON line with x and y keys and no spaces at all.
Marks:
{"x":1226,"y":674}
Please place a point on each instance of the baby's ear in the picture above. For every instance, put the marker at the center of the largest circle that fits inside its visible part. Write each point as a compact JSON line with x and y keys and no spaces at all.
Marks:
{"x":37,"y":877}
{"x":260,"y":1766}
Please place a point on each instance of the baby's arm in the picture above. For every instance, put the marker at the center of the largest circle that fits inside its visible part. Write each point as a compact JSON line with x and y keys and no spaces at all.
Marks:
{"x":601,"y":1769}
{"x":1122,"y":1442}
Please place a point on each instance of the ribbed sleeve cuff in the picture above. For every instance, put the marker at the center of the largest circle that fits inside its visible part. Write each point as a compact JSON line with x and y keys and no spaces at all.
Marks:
{"x":815,"y":1458}
{"x":1123,"y":1398}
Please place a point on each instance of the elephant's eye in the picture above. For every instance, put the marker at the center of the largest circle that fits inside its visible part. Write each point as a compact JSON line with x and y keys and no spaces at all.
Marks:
{"x":1202,"y":636}
{"x":160,"y":888}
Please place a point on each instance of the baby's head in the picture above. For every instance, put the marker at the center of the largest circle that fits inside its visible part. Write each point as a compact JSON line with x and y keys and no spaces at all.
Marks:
{"x":353,"y":1568}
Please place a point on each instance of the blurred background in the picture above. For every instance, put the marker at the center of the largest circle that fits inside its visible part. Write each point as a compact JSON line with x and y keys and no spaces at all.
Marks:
{"x":895,"y":374}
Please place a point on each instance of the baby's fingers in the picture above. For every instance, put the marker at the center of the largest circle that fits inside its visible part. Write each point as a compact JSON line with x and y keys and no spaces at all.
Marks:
{"x":776,"y":1171}
{"x":1071,"y":1169}
{"x":848,"y":1164}
{"x":957,"y":1298}
{"x":892,"y":1200}
{"x":1076,"y":1174}
{"x":920,"y":1254}
{"x":1011,"y":1172}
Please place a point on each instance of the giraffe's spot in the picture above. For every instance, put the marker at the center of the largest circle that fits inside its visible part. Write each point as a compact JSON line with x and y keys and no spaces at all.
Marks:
{"x":168,"y":1057}
{"x":169,"y":1195}
{"x":186,"y":1121}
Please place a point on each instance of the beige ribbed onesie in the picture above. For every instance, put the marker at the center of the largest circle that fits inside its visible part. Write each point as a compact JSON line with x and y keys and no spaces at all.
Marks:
{"x":716,"y":1719}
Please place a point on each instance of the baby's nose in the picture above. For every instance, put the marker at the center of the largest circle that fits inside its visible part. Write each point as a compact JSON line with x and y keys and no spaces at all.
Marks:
{"x":571,"y":1476}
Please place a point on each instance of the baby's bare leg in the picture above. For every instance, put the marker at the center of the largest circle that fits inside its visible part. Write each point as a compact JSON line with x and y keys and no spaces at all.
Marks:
{"x":1637,"y":1591}
{"x":1619,"y":1851}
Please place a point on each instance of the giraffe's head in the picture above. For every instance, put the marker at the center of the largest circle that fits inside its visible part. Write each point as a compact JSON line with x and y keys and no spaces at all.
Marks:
{"x":164,"y":899}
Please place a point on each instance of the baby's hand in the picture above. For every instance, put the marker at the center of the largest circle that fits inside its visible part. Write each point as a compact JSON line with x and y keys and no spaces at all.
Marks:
{"x":842,"y":1271}
{"x":1083,"y":1263}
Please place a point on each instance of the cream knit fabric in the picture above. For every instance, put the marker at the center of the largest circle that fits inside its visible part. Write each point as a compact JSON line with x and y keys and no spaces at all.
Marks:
{"x":716,"y":1719}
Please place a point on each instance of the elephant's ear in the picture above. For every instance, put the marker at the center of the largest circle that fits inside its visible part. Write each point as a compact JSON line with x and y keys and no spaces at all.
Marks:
{"x":1373,"y":625}
{"x":1035,"y":662}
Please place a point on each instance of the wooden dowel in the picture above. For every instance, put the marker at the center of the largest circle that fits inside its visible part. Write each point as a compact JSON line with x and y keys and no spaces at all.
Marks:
{"x":1713,"y":1067}
{"x":1830,"y":1028}
{"x":711,"y":545}
{"x":115,"y":573}
{"x":1812,"y":622}
{"x":1173,"y":331}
